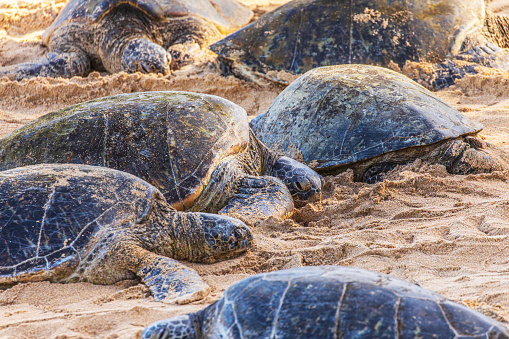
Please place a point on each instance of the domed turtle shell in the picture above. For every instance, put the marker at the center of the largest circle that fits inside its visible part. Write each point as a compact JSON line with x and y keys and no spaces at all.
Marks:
{"x":331,"y":302}
{"x":226,"y":15}
{"x":49,"y":214}
{"x":173,"y":140}
{"x":337,"y":115}
{"x":304,"y":34}
{"x":314,"y":302}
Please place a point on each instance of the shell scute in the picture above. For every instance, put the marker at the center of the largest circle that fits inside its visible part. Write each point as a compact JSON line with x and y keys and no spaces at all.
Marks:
{"x":464,"y":322}
{"x":23,"y":211}
{"x":324,"y":300}
{"x":189,"y":134}
{"x":367,"y":310}
{"x":427,"y":317}
{"x":258,"y":321}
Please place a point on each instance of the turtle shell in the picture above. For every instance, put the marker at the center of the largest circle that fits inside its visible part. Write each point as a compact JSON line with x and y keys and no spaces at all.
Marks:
{"x":50,"y":213}
{"x":304,"y":34}
{"x":226,"y":15}
{"x":340,"y":302}
{"x":338,"y":115}
{"x":173,"y":140}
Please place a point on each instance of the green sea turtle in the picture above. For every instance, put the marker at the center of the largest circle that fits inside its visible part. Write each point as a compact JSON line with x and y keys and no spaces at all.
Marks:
{"x":456,"y":35}
{"x":148,"y":36}
{"x":369,"y":119}
{"x":196,"y":148}
{"x":328,"y":302}
{"x":74,"y":223}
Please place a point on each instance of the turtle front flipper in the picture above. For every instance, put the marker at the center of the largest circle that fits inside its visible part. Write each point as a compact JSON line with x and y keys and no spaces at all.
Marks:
{"x":197,"y":237}
{"x":170,"y":281}
{"x":65,"y":65}
{"x":259,"y":198}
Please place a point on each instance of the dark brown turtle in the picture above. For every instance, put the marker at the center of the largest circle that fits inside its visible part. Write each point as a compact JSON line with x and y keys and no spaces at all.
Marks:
{"x":326,"y":302}
{"x":304,"y":34}
{"x":148,"y":36}
{"x":369,"y":119}
{"x":196,"y":148}
{"x":72,"y":223}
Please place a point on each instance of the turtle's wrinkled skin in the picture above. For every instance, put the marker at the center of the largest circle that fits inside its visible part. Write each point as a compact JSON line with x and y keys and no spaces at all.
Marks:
{"x":148,"y":36}
{"x":72,"y":223}
{"x":370,"y":119}
{"x":305,"y":34}
{"x":196,"y":148}
{"x":328,"y":302}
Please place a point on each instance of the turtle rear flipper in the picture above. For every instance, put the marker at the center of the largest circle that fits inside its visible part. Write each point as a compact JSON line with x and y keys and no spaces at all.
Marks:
{"x":65,"y":65}
{"x":445,"y":73}
{"x":169,"y":281}
{"x":259,"y":198}
{"x":468,"y":156}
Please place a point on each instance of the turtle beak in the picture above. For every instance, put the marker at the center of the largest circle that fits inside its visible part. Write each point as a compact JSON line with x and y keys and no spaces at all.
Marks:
{"x":144,"y":56}
{"x":306,"y":189}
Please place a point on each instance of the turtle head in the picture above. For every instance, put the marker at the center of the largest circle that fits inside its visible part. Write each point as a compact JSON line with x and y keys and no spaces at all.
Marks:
{"x":224,"y":236}
{"x":182,"y":326}
{"x":142,"y":55}
{"x":303,"y":183}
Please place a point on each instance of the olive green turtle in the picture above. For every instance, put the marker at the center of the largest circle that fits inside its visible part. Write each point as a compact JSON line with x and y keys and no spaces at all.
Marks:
{"x":196,"y":148}
{"x":72,"y":223}
{"x":456,"y":35}
{"x":326,"y":302}
{"x":369,"y":119}
{"x":148,"y":36}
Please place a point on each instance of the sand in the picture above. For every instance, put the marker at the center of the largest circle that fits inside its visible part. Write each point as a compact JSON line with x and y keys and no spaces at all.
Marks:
{"x":447,"y":233}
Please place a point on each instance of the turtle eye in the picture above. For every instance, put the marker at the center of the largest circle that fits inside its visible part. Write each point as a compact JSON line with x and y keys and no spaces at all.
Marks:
{"x":303,"y":184}
{"x":233,"y":243}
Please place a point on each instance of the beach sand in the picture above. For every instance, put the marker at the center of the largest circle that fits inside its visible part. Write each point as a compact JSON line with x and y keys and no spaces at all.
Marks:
{"x":447,"y":233}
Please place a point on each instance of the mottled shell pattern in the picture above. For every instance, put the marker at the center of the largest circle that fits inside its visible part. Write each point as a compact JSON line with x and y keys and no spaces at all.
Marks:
{"x":340,"y":302}
{"x":338,"y":115}
{"x":226,"y":15}
{"x":173,"y":140}
{"x":49,"y":214}
{"x":304,"y":34}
